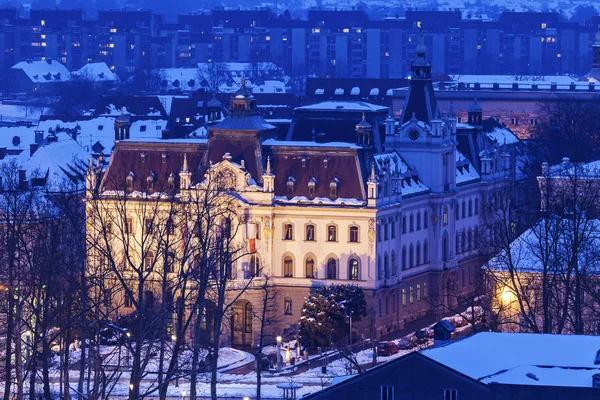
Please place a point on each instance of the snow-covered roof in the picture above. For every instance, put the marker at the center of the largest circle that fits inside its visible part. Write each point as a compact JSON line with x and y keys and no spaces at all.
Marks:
{"x":395,"y":164}
{"x":505,"y":357}
{"x":465,"y":171}
{"x":101,"y":129}
{"x":567,"y":169}
{"x":96,"y":72}
{"x":355,"y":91}
{"x":374,"y":92}
{"x":326,"y":201}
{"x":500,"y":135}
{"x":285,"y":143}
{"x":112,"y":111}
{"x":17,"y":137}
{"x":510,"y":79}
{"x":343,"y":105}
{"x":545,"y":376}
{"x":44,"y":71}
{"x":529,"y":249}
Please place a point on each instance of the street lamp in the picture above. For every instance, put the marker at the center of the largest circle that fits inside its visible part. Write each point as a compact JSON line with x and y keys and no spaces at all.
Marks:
{"x":246,"y":398}
{"x":173,"y":338}
{"x":183,"y":393}
{"x":279,"y":360}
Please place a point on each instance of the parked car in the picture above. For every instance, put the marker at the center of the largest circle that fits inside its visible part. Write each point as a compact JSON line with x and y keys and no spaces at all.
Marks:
{"x":386,"y":349}
{"x":407,"y":343}
{"x":112,"y":335}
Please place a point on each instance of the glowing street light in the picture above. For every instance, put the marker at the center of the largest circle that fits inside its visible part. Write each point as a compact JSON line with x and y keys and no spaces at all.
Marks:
{"x":279,"y":358}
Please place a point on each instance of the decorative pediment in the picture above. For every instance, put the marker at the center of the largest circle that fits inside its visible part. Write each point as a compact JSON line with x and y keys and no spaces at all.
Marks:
{"x":229,"y":175}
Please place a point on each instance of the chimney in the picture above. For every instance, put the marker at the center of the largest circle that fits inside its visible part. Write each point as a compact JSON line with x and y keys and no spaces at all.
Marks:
{"x":553,"y":86}
{"x":572,"y":87}
{"x":534,"y":87}
{"x":165,"y":134}
{"x":496,"y":86}
{"x":592,"y":87}
{"x":32,"y":148}
{"x":39,"y":136}
{"x":52,"y":138}
{"x":515,"y":86}
{"x":49,"y":60}
{"x":477,"y":86}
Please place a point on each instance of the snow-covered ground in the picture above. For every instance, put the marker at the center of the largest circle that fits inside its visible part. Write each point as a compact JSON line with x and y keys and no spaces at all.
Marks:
{"x":238,"y":384}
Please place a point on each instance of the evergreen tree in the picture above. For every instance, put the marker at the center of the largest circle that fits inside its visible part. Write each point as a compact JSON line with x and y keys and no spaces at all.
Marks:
{"x":324,"y":319}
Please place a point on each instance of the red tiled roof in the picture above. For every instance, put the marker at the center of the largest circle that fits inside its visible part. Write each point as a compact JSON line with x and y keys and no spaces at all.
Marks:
{"x":127,"y":157}
{"x":342,"y":164}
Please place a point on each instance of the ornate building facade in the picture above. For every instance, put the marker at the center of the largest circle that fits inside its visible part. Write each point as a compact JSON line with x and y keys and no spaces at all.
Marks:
{"x":394,"y":209}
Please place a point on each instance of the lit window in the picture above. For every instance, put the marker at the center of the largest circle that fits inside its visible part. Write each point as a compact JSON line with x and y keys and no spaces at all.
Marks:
{"x":288,"y":267}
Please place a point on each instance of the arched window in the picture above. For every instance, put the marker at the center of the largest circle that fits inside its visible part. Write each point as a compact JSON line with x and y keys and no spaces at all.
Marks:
{"x":411,"y":223}
{"x":310,"y":267}
{"x":248,"y":317}
{"x":379,"y":268}
{"x":288,"y":232}
{"x":353,"y":270}
{"x":404,"y":265}
{"x":288,"y":267}
{"x":419,"y":221}
{"x":457,"y":243}
{"x":470,"y":207}
{"x":386,"y":265}
{"x":411,"y":256}
{"x":331,"y":233}
{"x":425,"y":252}
{"x":463,"y":241}
{"x":464,"y":209}
{"x":418,"y":250}
{"x":445,"y":216}
{"x":331,"y":268}
{"x":393,"y":263}
{"x":445,"y":249}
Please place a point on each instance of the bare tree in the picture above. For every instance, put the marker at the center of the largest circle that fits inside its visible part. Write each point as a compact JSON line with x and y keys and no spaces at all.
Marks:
{"x":212,"y":75}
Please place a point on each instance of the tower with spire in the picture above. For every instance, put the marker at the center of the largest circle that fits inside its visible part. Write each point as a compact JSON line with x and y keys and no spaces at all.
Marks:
{"x":421,"y":98}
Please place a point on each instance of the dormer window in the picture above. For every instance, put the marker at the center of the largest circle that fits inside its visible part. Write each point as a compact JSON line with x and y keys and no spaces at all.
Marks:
{"x":312,"y":183}
{"x":333,"y":188}
{"x":290,"y":185}
{"x":129,"y":181}
{"x":142,"y":128}
{"x":164,"y":158}
{"x":100,"y":127}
